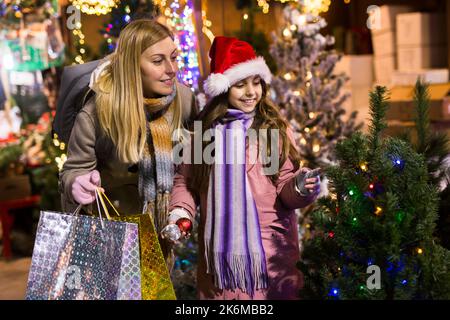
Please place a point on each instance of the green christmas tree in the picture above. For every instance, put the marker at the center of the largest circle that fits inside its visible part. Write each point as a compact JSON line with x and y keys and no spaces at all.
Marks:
{"x":125,"y":11}
{"x":379,"y":218}
{"x":251,"y":34}
{"x":184,"y":272}
{"x":435,"y":146}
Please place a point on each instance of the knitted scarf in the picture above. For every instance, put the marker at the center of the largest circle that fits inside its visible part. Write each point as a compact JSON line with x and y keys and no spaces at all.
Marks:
{"x":156,"y":169}
{"x":234,"y":251}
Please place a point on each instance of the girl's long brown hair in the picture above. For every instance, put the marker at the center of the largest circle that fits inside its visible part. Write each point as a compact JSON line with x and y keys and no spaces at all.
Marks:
{"x":267,"y":117}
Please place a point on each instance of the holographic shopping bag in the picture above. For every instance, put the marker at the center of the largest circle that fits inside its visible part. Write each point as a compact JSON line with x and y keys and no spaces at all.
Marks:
{"x":86,"y":258}
{"x":155,"y":278}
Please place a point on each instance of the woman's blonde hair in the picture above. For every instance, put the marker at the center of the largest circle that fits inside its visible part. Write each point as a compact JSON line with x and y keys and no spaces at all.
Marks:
{"x":119,"y":98}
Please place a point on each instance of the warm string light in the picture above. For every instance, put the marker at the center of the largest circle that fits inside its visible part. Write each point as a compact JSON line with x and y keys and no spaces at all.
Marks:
{"x":206,"y":27}
{"x":378,"y":211}
{"x":97,"y":7}
{"x":264,"y":5}
{"x":287,"y":76}
{"x":363,"y":166}
{"x":80,"y":42}
{"x":287,"y":33}
{"x":63,"y":157}
{"x":314,"y":7}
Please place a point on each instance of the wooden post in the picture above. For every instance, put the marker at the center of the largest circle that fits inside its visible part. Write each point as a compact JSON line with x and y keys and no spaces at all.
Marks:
{"x":202,"y":46}
{"x":448,"y":31}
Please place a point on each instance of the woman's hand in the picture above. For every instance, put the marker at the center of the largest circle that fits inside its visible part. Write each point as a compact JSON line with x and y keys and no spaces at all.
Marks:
{"x":84,"y":187}
{"x":308,"y":182}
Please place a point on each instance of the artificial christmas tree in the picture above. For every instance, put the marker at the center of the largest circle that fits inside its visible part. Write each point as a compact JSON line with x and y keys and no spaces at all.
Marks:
{"x":380,"y":213}
{"x":125,"y":11}
{"x":435,"y":147}
{"x":306,"y":89}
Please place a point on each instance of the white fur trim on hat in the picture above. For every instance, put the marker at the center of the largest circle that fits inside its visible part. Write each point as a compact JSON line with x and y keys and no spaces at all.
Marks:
{"x":218,"y":83}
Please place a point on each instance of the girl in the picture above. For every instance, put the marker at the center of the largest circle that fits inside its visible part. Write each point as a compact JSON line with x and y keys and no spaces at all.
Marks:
{"x":122,"y":138}
{"x":248,"y":243}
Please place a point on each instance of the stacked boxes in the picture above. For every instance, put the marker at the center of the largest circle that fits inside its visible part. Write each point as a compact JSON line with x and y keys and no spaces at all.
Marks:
{"x":421,"y":42}
{"x":384,"y":42}
{"x":359,"y":69}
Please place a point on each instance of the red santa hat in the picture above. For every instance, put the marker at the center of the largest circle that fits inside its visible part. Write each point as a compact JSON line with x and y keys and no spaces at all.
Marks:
{"x":231,"y":61}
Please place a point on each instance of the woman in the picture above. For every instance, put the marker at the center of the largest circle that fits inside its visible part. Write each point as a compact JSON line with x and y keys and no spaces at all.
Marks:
{"x":248,"y":243}
{"x":122,"y":138}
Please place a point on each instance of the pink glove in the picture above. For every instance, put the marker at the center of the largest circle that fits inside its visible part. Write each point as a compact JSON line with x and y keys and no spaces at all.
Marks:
{"x":84,"y":186}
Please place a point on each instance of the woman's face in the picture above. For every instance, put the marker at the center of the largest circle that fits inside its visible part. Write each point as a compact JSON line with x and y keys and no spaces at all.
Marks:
{"x":158,"y":68}
{"x":245,"y":94}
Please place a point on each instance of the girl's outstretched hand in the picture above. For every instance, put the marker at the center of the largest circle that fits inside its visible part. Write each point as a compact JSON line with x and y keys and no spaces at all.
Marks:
{"x":308,"y":182}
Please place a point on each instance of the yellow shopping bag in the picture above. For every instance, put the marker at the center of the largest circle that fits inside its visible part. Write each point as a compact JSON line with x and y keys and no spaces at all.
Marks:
{"x":155,"y":278}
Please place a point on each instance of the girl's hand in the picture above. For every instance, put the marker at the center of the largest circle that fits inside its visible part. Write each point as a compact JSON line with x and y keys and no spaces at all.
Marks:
{"x":308,"y":182}
{"x":84,"y":187}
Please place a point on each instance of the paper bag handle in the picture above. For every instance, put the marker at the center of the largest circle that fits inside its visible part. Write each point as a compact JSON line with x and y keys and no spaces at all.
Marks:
{"x":101,"y":196}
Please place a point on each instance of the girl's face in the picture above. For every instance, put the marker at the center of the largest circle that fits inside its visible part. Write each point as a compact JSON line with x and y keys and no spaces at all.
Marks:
{"x":158,"y":68}
{"x":245,"y":94}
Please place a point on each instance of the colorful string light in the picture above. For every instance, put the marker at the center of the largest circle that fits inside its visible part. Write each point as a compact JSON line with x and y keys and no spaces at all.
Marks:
{"x":185,"y":39}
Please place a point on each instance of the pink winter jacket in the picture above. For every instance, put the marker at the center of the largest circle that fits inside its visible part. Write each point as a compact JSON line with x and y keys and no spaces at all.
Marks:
{"x":276,"y":204}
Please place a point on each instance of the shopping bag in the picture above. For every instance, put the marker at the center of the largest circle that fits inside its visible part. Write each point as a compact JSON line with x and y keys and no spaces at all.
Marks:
{"x":83,"y":257}
{"x":155,"y":277}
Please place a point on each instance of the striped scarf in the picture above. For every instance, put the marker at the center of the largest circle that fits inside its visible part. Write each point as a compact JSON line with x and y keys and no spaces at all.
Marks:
{"x":234,"y":251}
{"x":156,"y":169}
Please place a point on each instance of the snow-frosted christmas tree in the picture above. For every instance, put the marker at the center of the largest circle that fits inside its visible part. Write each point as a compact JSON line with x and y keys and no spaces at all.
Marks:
{"x":306,"y":88}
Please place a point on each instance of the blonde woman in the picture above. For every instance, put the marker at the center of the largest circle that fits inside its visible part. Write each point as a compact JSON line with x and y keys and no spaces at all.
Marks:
{"x":122,"y":137}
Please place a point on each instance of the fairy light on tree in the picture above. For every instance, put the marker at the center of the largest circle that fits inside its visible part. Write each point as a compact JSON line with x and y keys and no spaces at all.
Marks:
{"x":305,"y":88}
{"x":185,"y":39}
{"x":382,"y":215}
